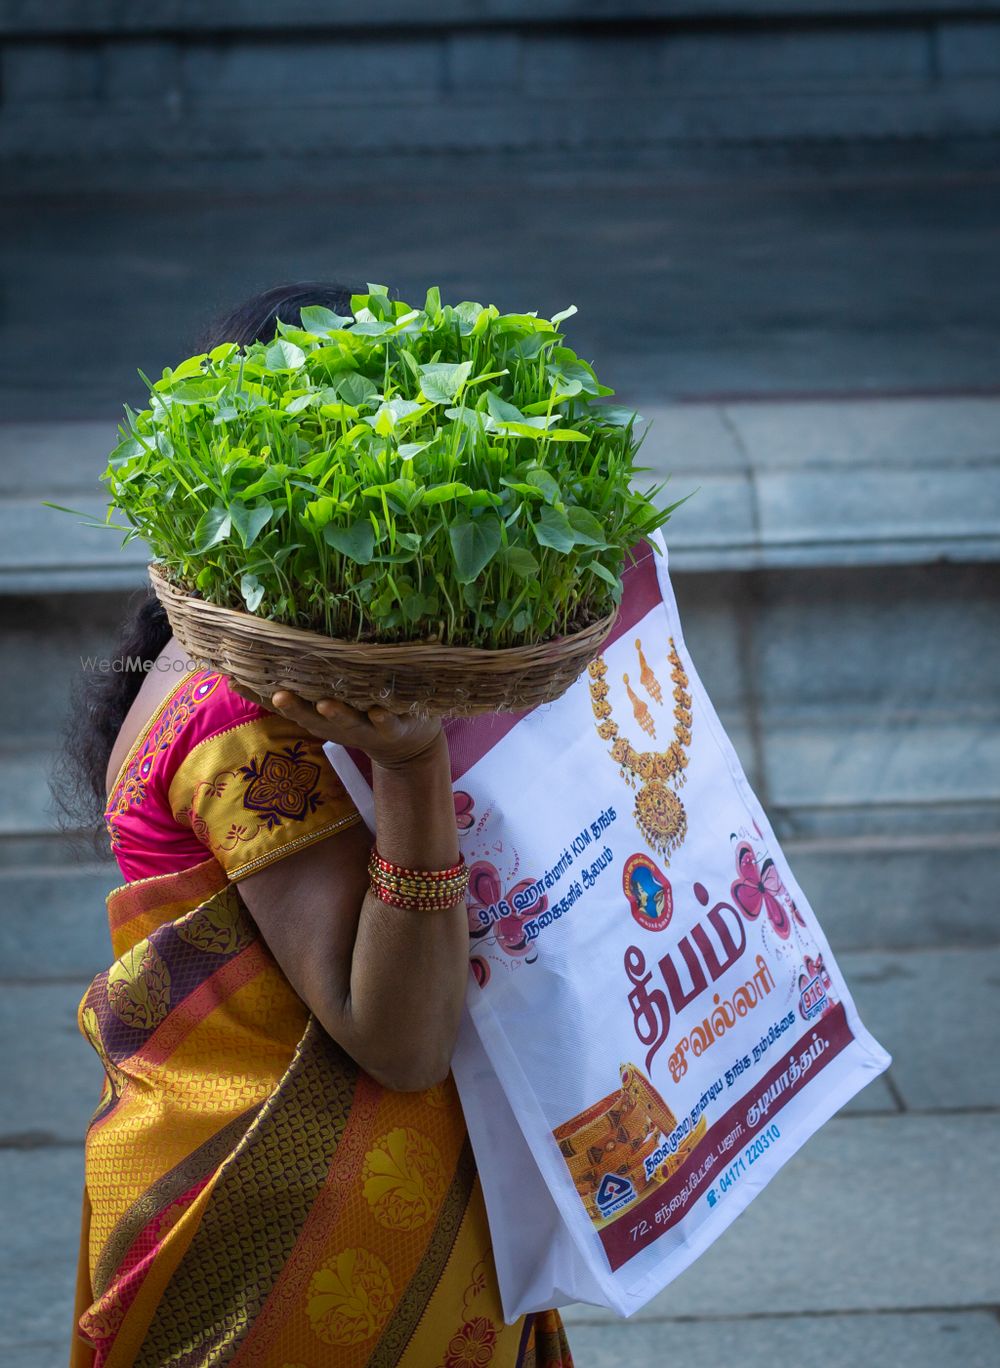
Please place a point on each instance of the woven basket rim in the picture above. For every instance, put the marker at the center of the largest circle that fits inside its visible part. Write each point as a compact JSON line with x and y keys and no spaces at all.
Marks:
{"x":304,"y":640}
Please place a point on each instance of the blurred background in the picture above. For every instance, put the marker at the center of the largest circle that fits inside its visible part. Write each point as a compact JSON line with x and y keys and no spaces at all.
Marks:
{"x":780,"y":220}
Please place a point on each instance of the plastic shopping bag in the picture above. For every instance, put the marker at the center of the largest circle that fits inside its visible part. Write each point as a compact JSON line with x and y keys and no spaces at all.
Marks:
{"x":655,"y":1022}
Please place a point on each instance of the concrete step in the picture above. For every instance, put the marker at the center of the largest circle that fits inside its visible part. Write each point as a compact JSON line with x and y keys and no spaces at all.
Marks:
{"x":926,"y":893}
{"x":842,"y":648}
{"x":838,"y":1232}
{"x":954,"y":1068}
{"x":775,"y":485}
{"x":769,"y":283}
{"x":38,"y":1265}
{"x":863,"y":706}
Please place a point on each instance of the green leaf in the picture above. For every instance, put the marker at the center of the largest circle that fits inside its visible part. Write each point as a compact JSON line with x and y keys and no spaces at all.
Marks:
{"x":589,"y":531}
{"x":192,"y":366}
{"x":568,"y":389}
{"x":300,"y":402}
{"x":536,"y":429}
{"x":282,"y":355}
{"x":468,"y":312}
{"x":615,"y":414}
{"x":213,"y":527}
{"x":370,"y":327}
{"x":531,"y":491}
{"x":499,"y":409}
{"x":252,"y":591}
{"x":472,"y":595}
{"x":318,"y":512}
{"x":469,"y":418}
{"x":540,"y":478}
{"x":356,"y":542}
{"x":567,"y":435}
{"x":413,"y":606}
{"x":520,"y":561}
{"x":273,"y":478}
{"x":299,"y":336}
{"x":442,"y":382}
{"x":402,"y":494}
{"x":316,"y":319}
{"x":407,"y":450}
{"x":249,"y":522}
{"x":474,"y":543}
{"x":432,"y":304}
{"x":344,"y":413}
{"x":391,"y":413}
{"x":204,"y":391}
{"x":553,"y":529}
{"x":602,"y":572}
{"x":436,"y":494}
{"x":61,"y":508}
{"x":566,"y":365}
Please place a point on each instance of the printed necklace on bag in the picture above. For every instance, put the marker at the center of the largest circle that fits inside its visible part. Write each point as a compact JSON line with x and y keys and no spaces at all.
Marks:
{"x":659,"y":813}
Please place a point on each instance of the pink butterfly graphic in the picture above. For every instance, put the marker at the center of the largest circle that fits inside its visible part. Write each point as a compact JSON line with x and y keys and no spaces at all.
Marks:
{"x":760,"y":886}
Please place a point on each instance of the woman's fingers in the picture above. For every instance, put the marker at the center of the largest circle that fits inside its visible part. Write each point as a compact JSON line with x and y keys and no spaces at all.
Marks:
{"x":386,"y":736}
{"x":335,"y":710}
{"x":295,"y":708}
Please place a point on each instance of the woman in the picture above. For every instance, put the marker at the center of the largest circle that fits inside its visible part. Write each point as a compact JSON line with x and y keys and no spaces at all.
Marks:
{"x":278,"y":1172}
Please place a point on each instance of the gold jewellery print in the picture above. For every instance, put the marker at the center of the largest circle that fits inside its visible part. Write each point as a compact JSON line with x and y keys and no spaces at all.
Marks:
{"x":659,"y":813}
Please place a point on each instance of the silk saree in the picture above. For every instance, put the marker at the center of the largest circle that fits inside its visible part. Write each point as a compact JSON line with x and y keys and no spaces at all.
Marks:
{"x":252,"y":1197}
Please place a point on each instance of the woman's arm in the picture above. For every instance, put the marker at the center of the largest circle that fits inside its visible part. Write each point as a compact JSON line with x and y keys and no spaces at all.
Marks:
{"x":387,"y":984}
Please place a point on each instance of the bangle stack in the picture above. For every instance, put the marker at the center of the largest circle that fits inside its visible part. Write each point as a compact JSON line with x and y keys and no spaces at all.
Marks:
{"x":417,"y":890}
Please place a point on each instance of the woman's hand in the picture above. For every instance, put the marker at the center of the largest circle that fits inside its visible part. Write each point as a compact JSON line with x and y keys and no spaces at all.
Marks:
{"x":389,"y":739}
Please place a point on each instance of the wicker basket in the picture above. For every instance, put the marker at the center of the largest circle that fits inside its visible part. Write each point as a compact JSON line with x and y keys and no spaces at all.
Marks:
{"x":261,"y":656}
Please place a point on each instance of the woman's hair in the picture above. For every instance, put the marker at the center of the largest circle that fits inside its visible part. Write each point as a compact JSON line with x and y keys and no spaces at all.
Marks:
{"x":101,"y":700}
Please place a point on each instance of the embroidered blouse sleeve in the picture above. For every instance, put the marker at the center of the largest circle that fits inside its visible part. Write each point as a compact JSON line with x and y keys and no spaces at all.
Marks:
{"x":257,"y":788}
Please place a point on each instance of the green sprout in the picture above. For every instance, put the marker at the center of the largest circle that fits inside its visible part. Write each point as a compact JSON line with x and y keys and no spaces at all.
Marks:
{"x":447,"y":474}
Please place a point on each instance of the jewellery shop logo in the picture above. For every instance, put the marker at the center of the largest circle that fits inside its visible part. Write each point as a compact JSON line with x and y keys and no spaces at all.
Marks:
{"x":647,"y":888}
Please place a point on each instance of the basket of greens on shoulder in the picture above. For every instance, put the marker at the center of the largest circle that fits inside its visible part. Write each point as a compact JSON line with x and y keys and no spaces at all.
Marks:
{"x":425,"y":508}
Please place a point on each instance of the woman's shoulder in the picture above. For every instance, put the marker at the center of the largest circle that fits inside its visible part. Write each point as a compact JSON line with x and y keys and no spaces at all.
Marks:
{"x":203,"y":706}
{"x":200,"y":704}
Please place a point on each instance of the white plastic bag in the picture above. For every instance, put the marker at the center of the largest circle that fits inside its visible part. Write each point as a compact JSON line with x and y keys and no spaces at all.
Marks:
{"x":655,"y":1022}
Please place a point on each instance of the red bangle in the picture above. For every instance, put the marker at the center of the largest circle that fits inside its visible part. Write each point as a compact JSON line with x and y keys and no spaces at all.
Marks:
{"x":402,"y":872}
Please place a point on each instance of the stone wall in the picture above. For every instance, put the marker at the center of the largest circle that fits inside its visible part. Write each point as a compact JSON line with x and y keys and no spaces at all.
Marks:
{"x":93,"y":89}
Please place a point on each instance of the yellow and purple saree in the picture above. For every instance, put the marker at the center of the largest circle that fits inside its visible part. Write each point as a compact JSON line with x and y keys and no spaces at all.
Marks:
{"x":252,"y":1197}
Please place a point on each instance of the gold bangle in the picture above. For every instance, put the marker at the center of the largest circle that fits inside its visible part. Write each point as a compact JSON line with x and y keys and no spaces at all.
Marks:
{"x":416,"y":902}
{"x":414,"y":884}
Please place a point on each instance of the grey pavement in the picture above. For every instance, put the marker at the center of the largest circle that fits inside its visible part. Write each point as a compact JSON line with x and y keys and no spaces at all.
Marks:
{"x":920,"y":1340}
{"x":879,"y":1234}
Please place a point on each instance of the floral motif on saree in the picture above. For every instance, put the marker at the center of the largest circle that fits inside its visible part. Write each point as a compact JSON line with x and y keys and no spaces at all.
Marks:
{"x":252,"y":1197}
